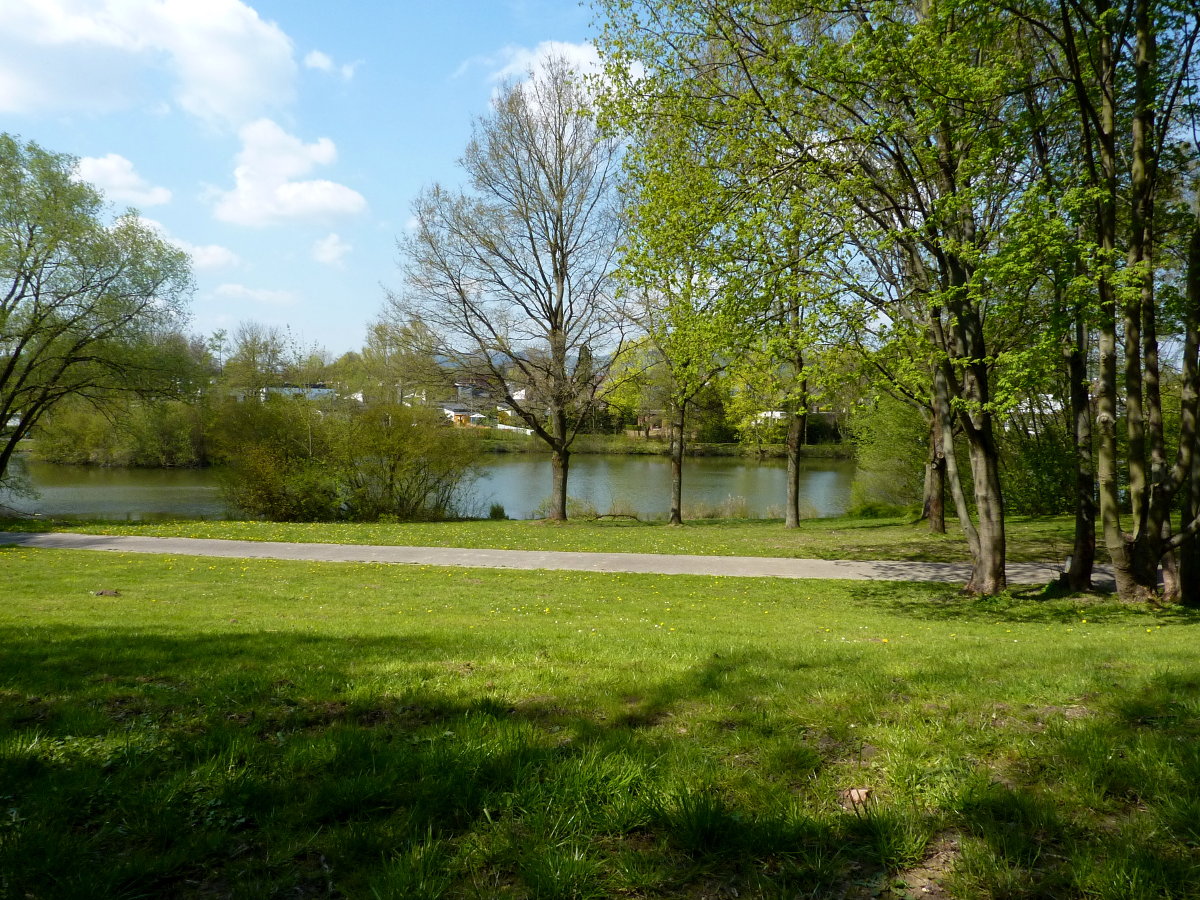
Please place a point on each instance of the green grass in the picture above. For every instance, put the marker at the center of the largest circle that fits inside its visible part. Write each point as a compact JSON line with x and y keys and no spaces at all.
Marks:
{"x":237,"y":728}
{"x":1029,"y":539}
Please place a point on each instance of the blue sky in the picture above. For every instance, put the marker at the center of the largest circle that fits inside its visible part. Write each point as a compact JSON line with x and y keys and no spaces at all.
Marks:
{"x":280,"y":141}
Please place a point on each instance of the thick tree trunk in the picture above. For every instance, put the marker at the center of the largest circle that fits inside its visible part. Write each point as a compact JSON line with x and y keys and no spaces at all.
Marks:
{"x":559,"y":463}
{"x":1130,"y":580}
{"x":1083,"y":553}
{"x":791,"y":512}
{"x":987,"y":572}
{"x":677,"y":447}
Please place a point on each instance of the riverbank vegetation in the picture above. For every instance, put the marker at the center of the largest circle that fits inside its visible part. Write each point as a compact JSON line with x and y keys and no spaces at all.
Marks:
{"x":191,"y":727}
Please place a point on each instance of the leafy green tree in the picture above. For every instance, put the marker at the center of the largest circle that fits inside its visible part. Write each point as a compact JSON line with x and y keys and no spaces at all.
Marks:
{"x":898,"y":125}
{"x":83,"y":300}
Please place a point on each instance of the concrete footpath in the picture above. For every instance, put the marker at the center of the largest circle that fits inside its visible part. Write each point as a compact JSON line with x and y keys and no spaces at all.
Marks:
{"x":648,"y":563}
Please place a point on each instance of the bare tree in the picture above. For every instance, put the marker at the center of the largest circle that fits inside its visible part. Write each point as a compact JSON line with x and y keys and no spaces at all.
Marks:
{"x":514,"y":273}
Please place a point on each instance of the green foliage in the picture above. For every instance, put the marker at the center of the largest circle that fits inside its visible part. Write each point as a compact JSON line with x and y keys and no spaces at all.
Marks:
{"x":84,"y":300}
{"x":402,"y":461}
{"x":136,"y":432}
{"x":1038,"y":470}
{"x":291,"y":461}
{"x":891,"y":442}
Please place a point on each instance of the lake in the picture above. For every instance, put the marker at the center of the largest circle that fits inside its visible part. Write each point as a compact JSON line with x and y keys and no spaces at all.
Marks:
{"x":638,"y":485}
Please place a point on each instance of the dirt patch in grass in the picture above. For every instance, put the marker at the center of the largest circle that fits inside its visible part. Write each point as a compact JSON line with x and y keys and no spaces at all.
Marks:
{"x":926,"y":878}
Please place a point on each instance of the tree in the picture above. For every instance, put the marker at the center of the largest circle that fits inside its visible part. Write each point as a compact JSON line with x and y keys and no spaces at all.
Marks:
{"x":82,"y":300}
{"x":901,"y":122}
{"x":257,"y":361}
{"x":1129,"y":72}
{"x":514,"y":273}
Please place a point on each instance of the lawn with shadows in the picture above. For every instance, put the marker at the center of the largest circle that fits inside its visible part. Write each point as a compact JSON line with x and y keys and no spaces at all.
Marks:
{"x":237,"y":728}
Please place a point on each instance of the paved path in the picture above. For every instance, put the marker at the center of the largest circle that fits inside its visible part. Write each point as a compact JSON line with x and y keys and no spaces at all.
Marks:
{"x":651,"y":563}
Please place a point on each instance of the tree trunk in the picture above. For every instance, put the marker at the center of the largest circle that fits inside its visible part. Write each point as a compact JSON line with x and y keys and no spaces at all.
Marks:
{"x":797,"y":428}
{"x":1189,"y":550}
{"x":1083,"y":554}
{"x":677,"y":439}
{"x":1187,"y":475}
{"x":941,"y":403}
{"x":935,"y":478}
{"x":987,"y":572}
{"x":1137,"y":568}
{"x":559,"y":463}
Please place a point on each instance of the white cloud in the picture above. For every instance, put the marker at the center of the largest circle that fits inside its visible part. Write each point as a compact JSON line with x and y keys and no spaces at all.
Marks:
{"x":323,"y":62}
{"x":266,"y":189}
{"x":115,"y":175}
{"x":330,"y":250}
{"x":514,"y":63}
{"x":227,"y":63}
{"x":265,"y":296}
{"x":204,"y":256}
{"x":318,"y":60}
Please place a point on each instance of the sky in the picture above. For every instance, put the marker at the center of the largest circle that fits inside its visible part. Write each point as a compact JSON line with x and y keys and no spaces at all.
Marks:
{"x":280,"y":142}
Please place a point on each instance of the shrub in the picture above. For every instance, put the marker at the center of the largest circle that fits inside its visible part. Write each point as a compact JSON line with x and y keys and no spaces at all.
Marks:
{"x":127,"y":432}
{"x":289,"y":460}
{"x":891,"y":443}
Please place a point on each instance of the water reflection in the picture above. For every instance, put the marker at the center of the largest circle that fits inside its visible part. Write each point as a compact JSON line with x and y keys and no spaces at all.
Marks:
{"x":632,"y":484}
{"x":642,"y":484}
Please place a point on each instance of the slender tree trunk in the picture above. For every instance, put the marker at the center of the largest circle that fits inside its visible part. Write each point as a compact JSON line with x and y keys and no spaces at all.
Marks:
{"x":559,"y":463}
{"x":677,"y":441}
{"x":1137,"y":568}
{"x":797,"y":431}
{"x":1189,"y":550}
{"x":1083,"y":553}
{"x":1106,"y":395}
{"x":1187,"y":475}
{"x":935,"y":478}
{"x":941,"y":403}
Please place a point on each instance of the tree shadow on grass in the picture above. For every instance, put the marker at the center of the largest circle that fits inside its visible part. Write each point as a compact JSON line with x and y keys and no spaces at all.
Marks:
{"x":255,"y":765}
{"x":1030,"y":604}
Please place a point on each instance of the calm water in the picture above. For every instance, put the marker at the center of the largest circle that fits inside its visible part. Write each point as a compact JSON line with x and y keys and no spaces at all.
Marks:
{"x":638,"y":484}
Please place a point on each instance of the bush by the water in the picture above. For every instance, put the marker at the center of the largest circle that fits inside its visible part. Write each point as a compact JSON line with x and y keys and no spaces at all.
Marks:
{"x":289,"y":460}
{"x":132,"y":432}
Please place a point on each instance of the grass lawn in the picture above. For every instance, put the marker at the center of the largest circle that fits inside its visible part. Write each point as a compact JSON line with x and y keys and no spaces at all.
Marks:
{"x":235,"y":728}
{"x":1029,"y":539}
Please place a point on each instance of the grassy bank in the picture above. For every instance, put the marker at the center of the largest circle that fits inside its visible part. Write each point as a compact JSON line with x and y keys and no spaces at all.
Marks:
{"x":255,"y":728}
{"x":1029,"y":539}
